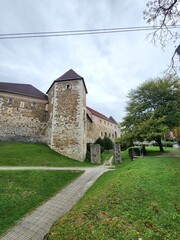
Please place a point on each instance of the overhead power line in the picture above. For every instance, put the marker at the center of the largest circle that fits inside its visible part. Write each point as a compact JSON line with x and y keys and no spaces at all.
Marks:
{"x":80,"y":32}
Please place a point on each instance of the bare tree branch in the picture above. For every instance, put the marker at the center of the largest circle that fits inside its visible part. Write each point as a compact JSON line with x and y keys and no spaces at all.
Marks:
{"x":174,"y":66}
{"x":165,"y":13}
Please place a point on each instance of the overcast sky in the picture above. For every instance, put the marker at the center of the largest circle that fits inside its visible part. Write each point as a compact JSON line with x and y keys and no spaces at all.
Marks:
{"x":111,"y":64}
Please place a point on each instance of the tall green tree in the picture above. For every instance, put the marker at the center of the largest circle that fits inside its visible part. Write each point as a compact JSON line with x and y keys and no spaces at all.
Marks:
{"x":152,"y":110}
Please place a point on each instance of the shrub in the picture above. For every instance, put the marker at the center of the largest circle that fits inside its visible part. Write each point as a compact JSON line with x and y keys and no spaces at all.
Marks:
{"x":167,"y":143}
{"x":125,"y":142}
{"x":108,"y":143}
{"x":101,"y":143}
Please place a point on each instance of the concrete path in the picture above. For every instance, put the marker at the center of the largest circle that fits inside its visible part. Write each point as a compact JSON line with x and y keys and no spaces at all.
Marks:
{"x":36,"y":225}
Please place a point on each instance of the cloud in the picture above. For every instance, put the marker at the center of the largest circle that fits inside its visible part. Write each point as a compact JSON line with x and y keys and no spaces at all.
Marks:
{"x":111,"y":64}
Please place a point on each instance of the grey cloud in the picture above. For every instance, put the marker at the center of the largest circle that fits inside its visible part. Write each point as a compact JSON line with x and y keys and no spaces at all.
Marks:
{"x":111,"y":64}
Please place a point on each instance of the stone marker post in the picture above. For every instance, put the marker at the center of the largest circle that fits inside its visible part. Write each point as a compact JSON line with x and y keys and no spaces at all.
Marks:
{"x":95,"y":153}
{"x":117,"y":153}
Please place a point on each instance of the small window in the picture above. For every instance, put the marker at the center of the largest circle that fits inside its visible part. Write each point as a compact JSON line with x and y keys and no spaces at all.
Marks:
{"x":68,"y":86}
{"x":10,"y":101}
{"x":1,"y":100}
{"x":33,"y":105}
{"x":115,"y":134}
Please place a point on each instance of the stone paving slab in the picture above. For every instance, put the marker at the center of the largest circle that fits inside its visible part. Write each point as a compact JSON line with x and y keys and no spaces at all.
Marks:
{"x":36,"y":225}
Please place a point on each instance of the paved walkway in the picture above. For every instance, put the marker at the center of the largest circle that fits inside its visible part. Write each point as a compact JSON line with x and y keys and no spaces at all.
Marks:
{"x":36,"y":225}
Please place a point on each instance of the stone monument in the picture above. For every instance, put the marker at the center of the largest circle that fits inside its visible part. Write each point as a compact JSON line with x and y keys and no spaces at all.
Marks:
{"x":117,"y":153}
{"x":95,"y":153}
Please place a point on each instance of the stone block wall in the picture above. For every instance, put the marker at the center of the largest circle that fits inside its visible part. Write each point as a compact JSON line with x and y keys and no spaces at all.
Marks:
{"x":22,"y":118}
{"x":67,"y":120}
{"x":98,"y":127}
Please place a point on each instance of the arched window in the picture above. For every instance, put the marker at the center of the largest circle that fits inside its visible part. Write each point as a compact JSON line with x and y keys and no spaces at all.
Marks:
{"x":115,"y":134}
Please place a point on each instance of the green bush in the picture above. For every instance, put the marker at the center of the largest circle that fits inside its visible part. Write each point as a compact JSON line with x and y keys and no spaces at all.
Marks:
{"x":105,"y":143}
{"x":101,"y":143}
{"x":108,"y":143}
{"x":125,"y":142}
{"x":167,"y":144}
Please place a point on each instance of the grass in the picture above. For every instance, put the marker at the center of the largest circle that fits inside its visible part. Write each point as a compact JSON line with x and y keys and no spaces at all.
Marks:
{"x":22,"y":191}
{"x":154,"y":151}
{"x":106,"y":156}
{"x":140,"y":200}
{"x":29,"y":154}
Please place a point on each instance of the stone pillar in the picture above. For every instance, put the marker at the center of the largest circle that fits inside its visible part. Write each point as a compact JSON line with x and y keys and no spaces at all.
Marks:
{"x":117,"y":153}
{"x":95,"y":153}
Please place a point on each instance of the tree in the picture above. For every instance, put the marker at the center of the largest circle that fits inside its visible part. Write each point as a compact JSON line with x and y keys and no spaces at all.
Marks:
{"x":166,"y":15}
{"x":152,"y":110}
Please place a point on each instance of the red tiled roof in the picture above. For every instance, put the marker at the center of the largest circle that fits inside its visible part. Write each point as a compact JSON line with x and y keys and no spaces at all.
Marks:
{"x":22,"y":89}
{"x":98,"y":114}
{"x":69,"y":75}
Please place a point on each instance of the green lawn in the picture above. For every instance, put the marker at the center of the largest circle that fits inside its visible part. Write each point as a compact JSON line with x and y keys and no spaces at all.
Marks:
{"x":29,"y":154}
{"x":22,"y":191}
{"x":140,"y":200}
{"x":106,"y":156}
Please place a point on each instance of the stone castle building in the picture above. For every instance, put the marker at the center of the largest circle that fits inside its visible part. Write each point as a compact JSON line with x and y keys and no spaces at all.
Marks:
{"x":59,"y":118}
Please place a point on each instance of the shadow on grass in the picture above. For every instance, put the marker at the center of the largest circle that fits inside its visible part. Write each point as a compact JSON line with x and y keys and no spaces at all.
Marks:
{"x":154,"y":151}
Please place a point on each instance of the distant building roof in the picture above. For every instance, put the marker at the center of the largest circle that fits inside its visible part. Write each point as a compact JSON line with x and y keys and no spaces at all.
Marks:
{"x":113,"y":120}
{"x":22,"y":89}
{"x":69,"y":75}
{"x":98,"y":114}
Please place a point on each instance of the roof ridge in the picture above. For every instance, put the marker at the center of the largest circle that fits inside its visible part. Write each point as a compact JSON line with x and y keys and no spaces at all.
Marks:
{"x":96,"y":113}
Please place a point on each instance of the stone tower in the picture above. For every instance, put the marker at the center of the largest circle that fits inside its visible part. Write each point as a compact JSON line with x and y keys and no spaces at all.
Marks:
{"x":67,"y":131}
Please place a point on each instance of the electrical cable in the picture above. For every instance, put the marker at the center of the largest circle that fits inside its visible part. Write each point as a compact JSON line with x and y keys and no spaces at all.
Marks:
{"x":81,"y":32}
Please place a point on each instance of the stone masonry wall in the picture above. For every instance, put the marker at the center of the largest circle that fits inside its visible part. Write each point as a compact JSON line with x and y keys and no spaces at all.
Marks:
{"x":49,"y":131}
{"x":22,"y":118}
{"x":100,"y":128}
{"x":67,"y":126}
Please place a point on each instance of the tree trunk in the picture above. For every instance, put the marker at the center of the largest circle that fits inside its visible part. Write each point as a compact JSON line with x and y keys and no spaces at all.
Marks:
{"x":158,"y":140}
